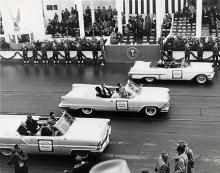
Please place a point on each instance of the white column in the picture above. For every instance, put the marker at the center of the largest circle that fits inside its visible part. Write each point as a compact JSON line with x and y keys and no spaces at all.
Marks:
{"x":182,"y":4}
{"x":145,"y":6}
{"x":133,"y":6}
{"x":81,"y":19}
{"x":126,"y":11}
{"x":151,"y":6}
{"x":176,"y":5}
{"x":92,"y":11}
{"x":159,"y":17}
{"x":198,"y":18}
{"x":119,"y":8}
{"x":139,"y":6}
{"x":170,"y":6}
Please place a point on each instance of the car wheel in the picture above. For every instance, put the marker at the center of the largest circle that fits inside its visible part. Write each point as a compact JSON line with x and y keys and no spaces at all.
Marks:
{"x":201,"y":79}
{"x":82,"y":154}
{"x":150,"y":79}
{"x":150,"y":111}
{"x":6,"y":151}
{"x":87,"y":111}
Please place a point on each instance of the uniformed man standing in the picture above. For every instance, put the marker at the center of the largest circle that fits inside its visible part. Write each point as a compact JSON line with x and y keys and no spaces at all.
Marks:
{"x":163,"y":165}
{"x":55,"y":54}
{"x":25,"y":54}
{"x":170,"y":52}
{"x":34,"y":52}
{"x":187,"y":52}
{"x":67,"y":53}
{"x":200,"y":52}
{"x":44,"y":53}
{"x":215,"y":55}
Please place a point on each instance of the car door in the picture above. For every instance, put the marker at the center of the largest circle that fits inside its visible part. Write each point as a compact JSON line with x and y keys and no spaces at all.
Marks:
{"x":122,"y":104}
{"x":43,"y":144}
{"x":165,"y":73}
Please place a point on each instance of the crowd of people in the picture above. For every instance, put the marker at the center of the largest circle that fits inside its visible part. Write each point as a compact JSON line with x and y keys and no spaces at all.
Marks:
{"x":69,"y":24}
{"x":104,"y":21}
{"x":184,"y":163}
{"x":166,"y":25}
{"x":139,"y":26}
{"x":210,"y":17}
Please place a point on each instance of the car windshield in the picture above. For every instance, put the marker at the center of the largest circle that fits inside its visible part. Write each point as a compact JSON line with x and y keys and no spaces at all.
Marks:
{"x":133,"y":88}
{"x":64,"y":123}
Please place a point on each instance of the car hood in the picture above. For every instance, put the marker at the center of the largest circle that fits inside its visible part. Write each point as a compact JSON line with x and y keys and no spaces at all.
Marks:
{"x":153,"y":94}
{"x":84,"y":130}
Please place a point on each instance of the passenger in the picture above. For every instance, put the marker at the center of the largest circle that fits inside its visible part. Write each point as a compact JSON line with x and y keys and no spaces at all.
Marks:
{"x":31,"y":125}
{"x":122,"y":91}
{"x":52,"y":118}
{"x":107,"y":92}
{"x":116,"y":94}
{"x":22,"y":129}
{"x":46,"y":130}
{"x":99,"y":92}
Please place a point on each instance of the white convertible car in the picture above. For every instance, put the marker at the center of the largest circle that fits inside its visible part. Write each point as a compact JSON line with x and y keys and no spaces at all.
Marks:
{"x":150,"y":100}
{"x":74,"y":136}
{"x":176,"y":70}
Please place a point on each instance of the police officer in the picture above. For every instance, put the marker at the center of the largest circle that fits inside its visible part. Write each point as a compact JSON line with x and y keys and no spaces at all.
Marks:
{"x":215,"y":52}
{"x":19,"y":159}
{"x":163,"y":165}
{"x":67,"y":53}
{"x":44,"y":53}
{"x":34,"y":52}
{"x":79,"y":53}
{"x":181,"y":163}
{"x":190,"y":156}
{"x":187,"y":52}
{"x":55,"y":54}
{"x":25,"y":52}
{"x":200,"y":52}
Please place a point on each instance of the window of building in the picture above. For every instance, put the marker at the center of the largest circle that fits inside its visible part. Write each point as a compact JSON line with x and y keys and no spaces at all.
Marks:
{"x":55,"y":7}
{"x":49,"y":7}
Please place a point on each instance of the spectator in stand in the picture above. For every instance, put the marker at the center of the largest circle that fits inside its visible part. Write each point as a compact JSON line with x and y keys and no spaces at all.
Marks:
{"x":110,"y":13}
{"x":35,"y":54}
{"x":25,"y":54}
{"x":56,"y":17}
{"x":200,"y":52}
{"x":215,"y":55}
{"x":67,"y":53}
{"x":55,"y":54}
{"x":187,"y":52}
{"x":104,"y":14}
{"x":148,"y":27}
{"x":44,"y":53}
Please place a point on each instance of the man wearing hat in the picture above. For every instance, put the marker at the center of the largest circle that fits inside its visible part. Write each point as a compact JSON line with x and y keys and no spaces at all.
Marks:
{"x":19,"y":159}
{"x":181,"y":162}
{"x":81,"y":166}
{"x":190,"y":156}
{"x":163,"y":165}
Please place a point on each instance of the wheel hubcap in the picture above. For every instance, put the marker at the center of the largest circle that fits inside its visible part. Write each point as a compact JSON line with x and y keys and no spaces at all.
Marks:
{"x":6,"y":151}
{"x":150,"y":111}
{"x":149,"y":79}
{"x":201,"y":79}
{"x":87,"y":111}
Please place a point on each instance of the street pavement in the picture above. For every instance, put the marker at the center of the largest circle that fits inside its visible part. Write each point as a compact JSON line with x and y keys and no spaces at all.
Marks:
{"x":193,"y":116}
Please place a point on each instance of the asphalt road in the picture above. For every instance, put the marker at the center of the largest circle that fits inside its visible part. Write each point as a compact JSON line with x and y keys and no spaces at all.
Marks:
{"x":193,"y":117}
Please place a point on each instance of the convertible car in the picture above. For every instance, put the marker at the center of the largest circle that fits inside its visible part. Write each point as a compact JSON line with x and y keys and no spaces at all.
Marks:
{"x":149,"y":100}
{"x":73,"y":136}
{"x":201,"y":72}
